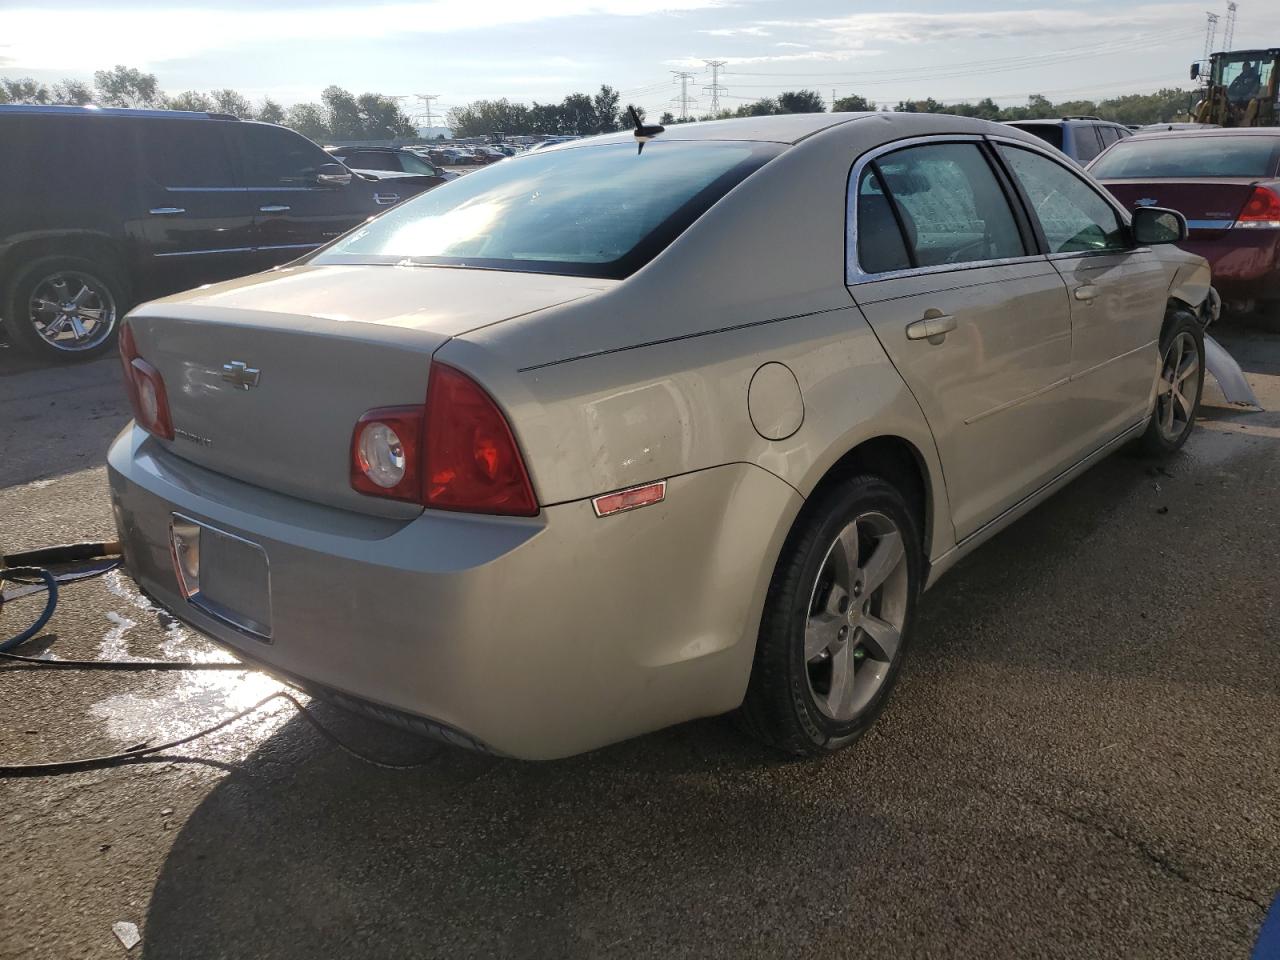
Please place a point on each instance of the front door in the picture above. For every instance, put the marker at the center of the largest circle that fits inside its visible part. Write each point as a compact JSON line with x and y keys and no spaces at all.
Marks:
{"x":974,"y":319}
{"x":1118,"y":294}
{"x":294,"y":213}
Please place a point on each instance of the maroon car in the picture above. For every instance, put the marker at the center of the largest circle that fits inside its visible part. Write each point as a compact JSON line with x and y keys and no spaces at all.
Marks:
{"x":1227,"y":184}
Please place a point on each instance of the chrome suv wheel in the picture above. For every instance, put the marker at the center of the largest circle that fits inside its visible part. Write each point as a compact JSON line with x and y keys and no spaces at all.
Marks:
{"x":72,"y":311}
{"x":64,"y":308}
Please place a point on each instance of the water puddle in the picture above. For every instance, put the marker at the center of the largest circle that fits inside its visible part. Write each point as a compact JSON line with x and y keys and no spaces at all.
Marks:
{"x":175,"y":705}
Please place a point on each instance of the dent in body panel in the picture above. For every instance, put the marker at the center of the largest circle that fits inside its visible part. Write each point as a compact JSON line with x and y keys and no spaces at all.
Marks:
{"x":1114,"y":334}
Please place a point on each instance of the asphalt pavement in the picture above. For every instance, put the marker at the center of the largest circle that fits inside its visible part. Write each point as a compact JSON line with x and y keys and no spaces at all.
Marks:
{"x":1082,"y":759}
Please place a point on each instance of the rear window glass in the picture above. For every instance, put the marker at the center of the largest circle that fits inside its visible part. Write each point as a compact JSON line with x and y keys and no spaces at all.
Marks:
{"x":1139,"y":159}
{"x":599,"y":211}
{"x":1048,"y":132}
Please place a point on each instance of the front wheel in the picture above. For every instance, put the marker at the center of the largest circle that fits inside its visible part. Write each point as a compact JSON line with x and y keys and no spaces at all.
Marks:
{"x":1179,"y":387}
{"x":836,"y":619}
{"x":64,"y":308}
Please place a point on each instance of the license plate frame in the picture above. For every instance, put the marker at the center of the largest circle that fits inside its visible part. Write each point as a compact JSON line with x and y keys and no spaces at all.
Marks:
{"x":223,"y":575}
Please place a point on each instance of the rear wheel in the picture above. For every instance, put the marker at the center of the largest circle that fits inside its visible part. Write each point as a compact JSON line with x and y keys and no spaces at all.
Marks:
{"x":1180,"y":385}
{"x":836,"y":619}
{"x":64,"y":308}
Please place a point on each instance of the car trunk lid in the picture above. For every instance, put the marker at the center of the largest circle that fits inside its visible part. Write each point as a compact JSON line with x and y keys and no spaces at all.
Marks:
{"x":1210,"y":204}
{"x":266,"y":376}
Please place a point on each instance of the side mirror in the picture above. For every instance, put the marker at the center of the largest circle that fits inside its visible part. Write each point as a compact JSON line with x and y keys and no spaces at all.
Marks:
{"x":1195,"y":71}
{"x":1153,"y":225}
{"x":332,"y":175}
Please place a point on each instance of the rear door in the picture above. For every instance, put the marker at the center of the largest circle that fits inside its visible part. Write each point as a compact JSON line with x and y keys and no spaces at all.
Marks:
{"x":196,"y":225}
{"x":973,"y":317}
{"x":293,"y":212}
{"x":1118,"y":292}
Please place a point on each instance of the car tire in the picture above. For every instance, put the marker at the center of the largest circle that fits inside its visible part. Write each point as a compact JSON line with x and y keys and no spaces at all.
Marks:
{"x":809,"y":697}
{"x":95,"y":297}
{"x":1181,"y":383}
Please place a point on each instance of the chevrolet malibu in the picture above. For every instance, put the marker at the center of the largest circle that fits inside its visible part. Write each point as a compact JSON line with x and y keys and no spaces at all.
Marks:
{"x":649,"y":426}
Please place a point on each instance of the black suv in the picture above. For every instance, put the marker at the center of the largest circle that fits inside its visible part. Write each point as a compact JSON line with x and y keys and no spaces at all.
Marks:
{"x":101,"y":209}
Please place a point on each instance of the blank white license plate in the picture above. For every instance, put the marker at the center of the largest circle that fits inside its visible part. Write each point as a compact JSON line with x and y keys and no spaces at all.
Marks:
{"x":224,"y":575}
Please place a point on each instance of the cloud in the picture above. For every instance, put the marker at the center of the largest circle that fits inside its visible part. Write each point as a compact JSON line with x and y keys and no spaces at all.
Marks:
{"x":738,"y":32}
{"x":904,"y":27}
{"x":813,"y":56}
{"x":798,"y":46}
{"x":145,"y":35}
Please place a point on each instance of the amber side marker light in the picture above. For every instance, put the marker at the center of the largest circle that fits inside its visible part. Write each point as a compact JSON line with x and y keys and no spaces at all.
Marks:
{"x":630,"y":499}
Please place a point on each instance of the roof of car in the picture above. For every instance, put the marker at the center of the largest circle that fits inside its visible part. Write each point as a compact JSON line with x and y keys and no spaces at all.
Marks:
{"x":1059,"y":121}
{"x":1210,"y":132}
{"x":355,"y":147}
{"x":96,"y":111}
{"x":791,"y":128}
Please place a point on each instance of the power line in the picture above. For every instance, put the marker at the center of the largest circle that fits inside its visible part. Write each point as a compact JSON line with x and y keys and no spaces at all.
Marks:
{"x":868,"y":80}
{"x":991,"y":63}
{"x":426,"y":99}
{"x":716,"y":87}
{"x":1230,"y":32}
{"x":684,"y":99}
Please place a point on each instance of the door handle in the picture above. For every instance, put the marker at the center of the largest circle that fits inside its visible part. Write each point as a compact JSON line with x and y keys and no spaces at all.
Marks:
{"x":166,"y":211}
{"x":1086,"y":292}
{"x":274,"y":208}
{"x":385,"y":198}
{"x":934,"y":327}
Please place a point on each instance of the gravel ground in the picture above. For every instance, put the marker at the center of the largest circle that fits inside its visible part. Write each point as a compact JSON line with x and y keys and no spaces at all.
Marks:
{"x":1082,"y":760}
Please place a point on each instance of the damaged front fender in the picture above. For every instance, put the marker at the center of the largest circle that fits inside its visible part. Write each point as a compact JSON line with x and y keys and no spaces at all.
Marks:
{"x":1228,"y":374}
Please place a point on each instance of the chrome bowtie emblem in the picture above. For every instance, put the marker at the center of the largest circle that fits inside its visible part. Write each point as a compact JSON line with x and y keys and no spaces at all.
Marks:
{"x":241,"y":374}
{"x":1147,"y":202}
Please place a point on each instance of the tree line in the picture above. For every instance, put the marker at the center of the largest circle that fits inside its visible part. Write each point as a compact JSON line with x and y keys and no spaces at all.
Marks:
{"x":342,"y":115}
{"x":578,"y":114}
{"x":1163,"y":106}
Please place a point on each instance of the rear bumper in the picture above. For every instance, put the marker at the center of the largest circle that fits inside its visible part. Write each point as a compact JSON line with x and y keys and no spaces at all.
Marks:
{"x":535,"y":638}
{"x":1245,"y":263}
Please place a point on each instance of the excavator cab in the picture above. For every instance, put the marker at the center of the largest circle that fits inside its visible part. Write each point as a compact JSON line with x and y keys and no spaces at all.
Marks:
{"x":1242,"y":89}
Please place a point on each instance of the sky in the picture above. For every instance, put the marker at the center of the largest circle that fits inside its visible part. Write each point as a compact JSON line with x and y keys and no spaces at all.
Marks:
{"x":526,"y":50}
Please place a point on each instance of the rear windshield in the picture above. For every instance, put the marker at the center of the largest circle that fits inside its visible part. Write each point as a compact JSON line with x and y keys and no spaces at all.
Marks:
{"x":1139,"y":159}
{"x":598,"y":211}
{"x":1049,"y":132}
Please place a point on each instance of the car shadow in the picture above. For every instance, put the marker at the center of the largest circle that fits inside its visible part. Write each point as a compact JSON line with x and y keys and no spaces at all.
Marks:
{"x":312,"y":853}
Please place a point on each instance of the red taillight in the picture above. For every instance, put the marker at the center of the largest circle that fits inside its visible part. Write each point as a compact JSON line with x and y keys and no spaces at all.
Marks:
{"x":1261,"y":210}
{"x":145,"y":387}
{"x":471,"y":461}
{"x":457,"y":453}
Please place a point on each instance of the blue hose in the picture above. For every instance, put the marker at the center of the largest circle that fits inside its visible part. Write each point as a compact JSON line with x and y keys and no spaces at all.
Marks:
{"x":22,"y":574}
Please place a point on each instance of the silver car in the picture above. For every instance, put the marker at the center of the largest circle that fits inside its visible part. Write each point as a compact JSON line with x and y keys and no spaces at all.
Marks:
{"x":634,"y":430}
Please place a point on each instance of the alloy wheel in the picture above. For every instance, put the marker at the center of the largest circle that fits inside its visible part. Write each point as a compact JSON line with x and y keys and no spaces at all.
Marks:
{"x":72,"y":311}
{"x":856,"y":615}
{"x":1175,"y":398}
